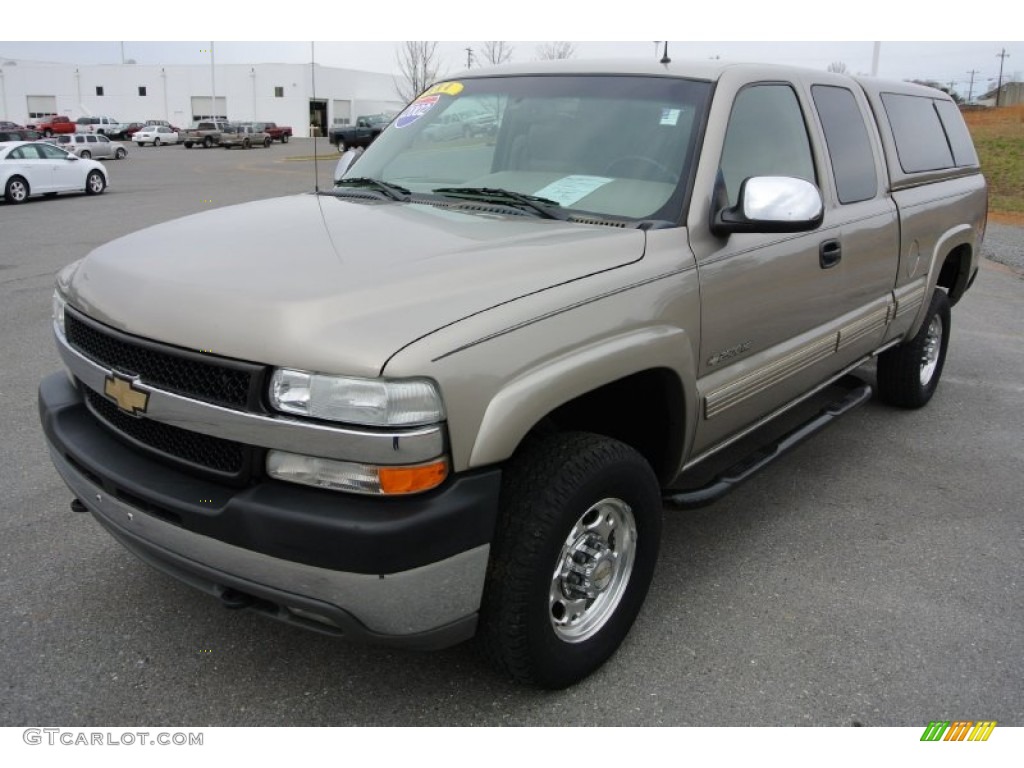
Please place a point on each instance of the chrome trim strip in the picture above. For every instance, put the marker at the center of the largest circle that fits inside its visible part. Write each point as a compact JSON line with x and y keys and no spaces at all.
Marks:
{"x":864,"y":327}
{"x":410,"y":446}
{"x":779,"y":411}
{"x":735,"y":392}
{"x":910,"y":301}
{"x":401,"y":603}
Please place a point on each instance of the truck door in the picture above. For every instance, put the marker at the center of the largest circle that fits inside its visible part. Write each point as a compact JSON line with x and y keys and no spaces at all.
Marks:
{"x":771,"y":304}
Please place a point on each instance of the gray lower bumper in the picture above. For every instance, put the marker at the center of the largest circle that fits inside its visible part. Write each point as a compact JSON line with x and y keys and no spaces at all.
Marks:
{"x":428,"y":607}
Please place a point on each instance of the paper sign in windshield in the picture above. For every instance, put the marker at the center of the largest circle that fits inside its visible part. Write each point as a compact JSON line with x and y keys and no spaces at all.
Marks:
{"x":416,"y":110}
{"x":571,"y":189}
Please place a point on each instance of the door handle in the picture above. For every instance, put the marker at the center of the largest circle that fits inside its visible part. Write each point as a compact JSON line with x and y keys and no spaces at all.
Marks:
{"x":829,"y":253}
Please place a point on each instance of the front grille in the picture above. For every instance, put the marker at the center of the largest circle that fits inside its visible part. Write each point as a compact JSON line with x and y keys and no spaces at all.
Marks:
{"x":223,"y":382}
{"x":199,"y":451}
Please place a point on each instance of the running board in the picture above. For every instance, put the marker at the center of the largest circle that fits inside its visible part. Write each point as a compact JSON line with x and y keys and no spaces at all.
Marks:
{"x":858,"y":393}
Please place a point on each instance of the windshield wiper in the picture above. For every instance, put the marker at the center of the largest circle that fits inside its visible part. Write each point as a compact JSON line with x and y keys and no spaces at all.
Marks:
{"x":540,"y":205}
{"x":393,"y":191}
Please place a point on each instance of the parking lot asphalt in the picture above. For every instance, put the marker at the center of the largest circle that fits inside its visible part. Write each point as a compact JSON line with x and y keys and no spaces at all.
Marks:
{"x":874,"y":576}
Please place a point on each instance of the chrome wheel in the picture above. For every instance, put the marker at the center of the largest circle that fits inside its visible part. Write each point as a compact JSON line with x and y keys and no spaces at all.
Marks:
{"x":95,"y":183}
{"x":17,"y":190}
{"x":930,"y":353}
{"x":592,"y":570}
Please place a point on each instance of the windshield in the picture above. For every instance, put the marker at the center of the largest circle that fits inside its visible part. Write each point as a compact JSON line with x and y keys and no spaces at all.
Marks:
{"x":617,"y":146}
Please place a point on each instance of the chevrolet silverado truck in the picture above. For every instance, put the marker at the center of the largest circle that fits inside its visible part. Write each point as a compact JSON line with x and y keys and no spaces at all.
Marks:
{"x":454,"y":395}
{"x":48,"y":126}
{"x":282,"y":133}
{"x":366,"y":129}
{"x":205,"y":134}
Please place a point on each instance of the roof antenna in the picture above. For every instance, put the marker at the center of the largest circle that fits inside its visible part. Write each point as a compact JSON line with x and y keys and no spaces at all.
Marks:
{"x":664,"y":57}
{"x":312,"y":72}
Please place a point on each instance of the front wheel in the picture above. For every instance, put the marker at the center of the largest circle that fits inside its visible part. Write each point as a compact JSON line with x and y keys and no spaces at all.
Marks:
{"x":156,"y":142}
{"x":267,"y":141}
{"x":908,"y":374}
{"x":120,"y":154}
{"x":284,"y":138}
{"x":85,"y":154}
{"x":95,"y":183}
{"x":188,"y":145}
{"x":573,"y":557}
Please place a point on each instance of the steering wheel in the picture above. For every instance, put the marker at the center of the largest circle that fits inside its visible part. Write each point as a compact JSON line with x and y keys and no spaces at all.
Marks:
{"x":664,"y":172}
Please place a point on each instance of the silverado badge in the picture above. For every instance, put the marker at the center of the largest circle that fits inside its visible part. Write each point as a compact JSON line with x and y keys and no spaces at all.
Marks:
{"x":122,"y":391}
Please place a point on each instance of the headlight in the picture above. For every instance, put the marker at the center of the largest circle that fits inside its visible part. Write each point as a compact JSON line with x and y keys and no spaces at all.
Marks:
{"x":58,"y":311}
{"x":370,"y":402}
{"x":358,"y":478}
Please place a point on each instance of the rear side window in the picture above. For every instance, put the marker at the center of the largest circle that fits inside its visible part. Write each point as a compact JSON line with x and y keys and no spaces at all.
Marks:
{"x":920,"y":140}
{"x":956,"y":131}
{"x":849,"y":147}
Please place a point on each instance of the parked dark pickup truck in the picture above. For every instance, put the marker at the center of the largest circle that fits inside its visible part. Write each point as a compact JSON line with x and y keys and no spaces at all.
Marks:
{"x":366,"y":129}
{"x":276,"y":132}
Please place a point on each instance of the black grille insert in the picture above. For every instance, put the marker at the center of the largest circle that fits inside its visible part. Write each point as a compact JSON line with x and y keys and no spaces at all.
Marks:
{"x":204,"y":452}
{"x":223,"y":382}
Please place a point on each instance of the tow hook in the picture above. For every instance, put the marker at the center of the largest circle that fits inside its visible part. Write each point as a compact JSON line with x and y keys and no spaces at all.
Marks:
{"x":78,"y":506}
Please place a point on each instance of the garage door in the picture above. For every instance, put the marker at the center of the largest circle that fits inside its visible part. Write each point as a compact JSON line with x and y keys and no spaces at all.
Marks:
{"x":42,"y":106}
{"x":201,"y":108}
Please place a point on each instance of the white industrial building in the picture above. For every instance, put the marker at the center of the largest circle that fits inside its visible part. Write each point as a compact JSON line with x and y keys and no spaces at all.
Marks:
{"x":182,"y":94}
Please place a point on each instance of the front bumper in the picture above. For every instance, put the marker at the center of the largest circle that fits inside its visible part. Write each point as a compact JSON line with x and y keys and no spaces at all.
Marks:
{"x":406,"y":571}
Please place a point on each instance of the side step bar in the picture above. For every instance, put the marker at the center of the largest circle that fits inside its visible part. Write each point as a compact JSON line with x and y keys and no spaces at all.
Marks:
{"x":858,"y":393}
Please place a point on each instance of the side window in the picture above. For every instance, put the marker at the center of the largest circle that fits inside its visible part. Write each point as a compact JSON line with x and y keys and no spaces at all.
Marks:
{"x":91,"y":138}
{"x":920,"y":141}
{"x":103,"y":140}
{"x":766,"y":136}
{"x":849,"y":147}
{"x":957,"y":133}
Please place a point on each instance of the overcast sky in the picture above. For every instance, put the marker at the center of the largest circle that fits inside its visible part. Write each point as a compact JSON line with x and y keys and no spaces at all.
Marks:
{"x":244,"y":38}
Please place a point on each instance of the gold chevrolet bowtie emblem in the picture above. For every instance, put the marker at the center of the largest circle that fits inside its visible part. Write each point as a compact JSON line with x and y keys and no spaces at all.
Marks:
{"x":123,"y":392}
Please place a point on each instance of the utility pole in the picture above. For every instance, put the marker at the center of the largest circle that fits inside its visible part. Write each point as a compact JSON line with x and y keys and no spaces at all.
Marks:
{"x":952,"y":83}
{"x":999,"y":84}
{"x":970,"y":88}
{"x":469,"y":58}
{"x":876,"y":54}
{"x":213,"y":86}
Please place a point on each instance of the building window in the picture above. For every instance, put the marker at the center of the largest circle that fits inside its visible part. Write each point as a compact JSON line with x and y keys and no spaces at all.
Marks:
{"x":99,"y":90}
{"x":278,"y":91}
{"x":142,"y":90}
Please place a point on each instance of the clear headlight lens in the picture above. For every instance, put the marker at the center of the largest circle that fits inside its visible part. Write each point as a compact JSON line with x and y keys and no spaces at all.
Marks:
{"x":370,"y":402}
{"x":58,"y":311}
{"x":358,"y":478}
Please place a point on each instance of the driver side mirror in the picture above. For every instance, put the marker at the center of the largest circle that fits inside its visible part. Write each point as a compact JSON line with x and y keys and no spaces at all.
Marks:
{"x":772,"y":204}
{"x":345,"y":162}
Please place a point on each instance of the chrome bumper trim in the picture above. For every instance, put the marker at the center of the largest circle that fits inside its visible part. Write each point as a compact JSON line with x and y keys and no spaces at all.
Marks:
{"x":397,"y":604}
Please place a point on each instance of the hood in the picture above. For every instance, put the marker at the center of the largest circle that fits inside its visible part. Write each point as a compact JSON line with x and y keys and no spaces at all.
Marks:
{"x":330,"y":284}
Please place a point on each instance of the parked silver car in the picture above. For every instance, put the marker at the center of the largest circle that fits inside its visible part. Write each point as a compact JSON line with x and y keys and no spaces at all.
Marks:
{"x":88,"y":145}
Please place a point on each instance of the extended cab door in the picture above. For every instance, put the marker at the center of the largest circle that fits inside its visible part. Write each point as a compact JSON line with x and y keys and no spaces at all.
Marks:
{"x":781,"y":313}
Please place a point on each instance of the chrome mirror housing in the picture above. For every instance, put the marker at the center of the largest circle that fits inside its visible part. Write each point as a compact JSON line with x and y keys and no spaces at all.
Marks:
{"x":772,"y":204}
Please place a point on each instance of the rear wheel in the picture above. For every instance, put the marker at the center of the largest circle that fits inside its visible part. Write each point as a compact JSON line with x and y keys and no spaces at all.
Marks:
{"x":188,"y":145}
{"x":156,"y":142}
{"x":17,"y":190}
{"x":908,"y":374}
{"x":207,"y":142}
{"x":85,"y":154}
{"x":573,"y":557}
{"x":119,"y":154}
{"x":95,"y":183}
{"x":284,"y":138}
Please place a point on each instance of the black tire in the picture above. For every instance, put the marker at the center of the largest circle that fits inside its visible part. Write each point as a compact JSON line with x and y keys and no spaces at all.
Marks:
{"x":284,"y":138}
{"x":188,"y":145}
{"x":95,"y":183}
{"x":85,"y":154}
{"x":47,"y":134}
{"x":560,"y":493}
{"x":17,"y":190}
{"x":156,"y":142}
{"x":267,"y":141}
{"x":120,"y":154}
{"x":908,"y":374}
{"x":207,"y":142}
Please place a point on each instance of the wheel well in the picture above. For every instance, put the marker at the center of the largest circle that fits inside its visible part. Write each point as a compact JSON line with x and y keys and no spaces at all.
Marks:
{"x":955,"y":272}
{"x":644,"y":411}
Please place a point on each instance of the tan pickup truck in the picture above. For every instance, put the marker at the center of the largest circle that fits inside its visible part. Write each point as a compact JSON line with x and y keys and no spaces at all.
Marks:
{"x":454,"y":395}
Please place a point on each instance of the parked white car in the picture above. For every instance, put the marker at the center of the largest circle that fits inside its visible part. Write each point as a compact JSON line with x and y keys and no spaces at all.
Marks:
{"x":89,"y":145}
{"x":155,"y":135}
{"x":39,"y":168}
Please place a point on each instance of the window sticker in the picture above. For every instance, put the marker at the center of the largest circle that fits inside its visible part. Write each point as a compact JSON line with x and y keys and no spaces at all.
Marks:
{"x":571,"y":189}
{"x":447,"y":89}
{"x":416,"y":110}
{"x":670,"y":116}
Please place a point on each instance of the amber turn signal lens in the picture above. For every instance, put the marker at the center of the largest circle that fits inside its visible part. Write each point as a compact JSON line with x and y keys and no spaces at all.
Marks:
{"x":399,"y":480}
